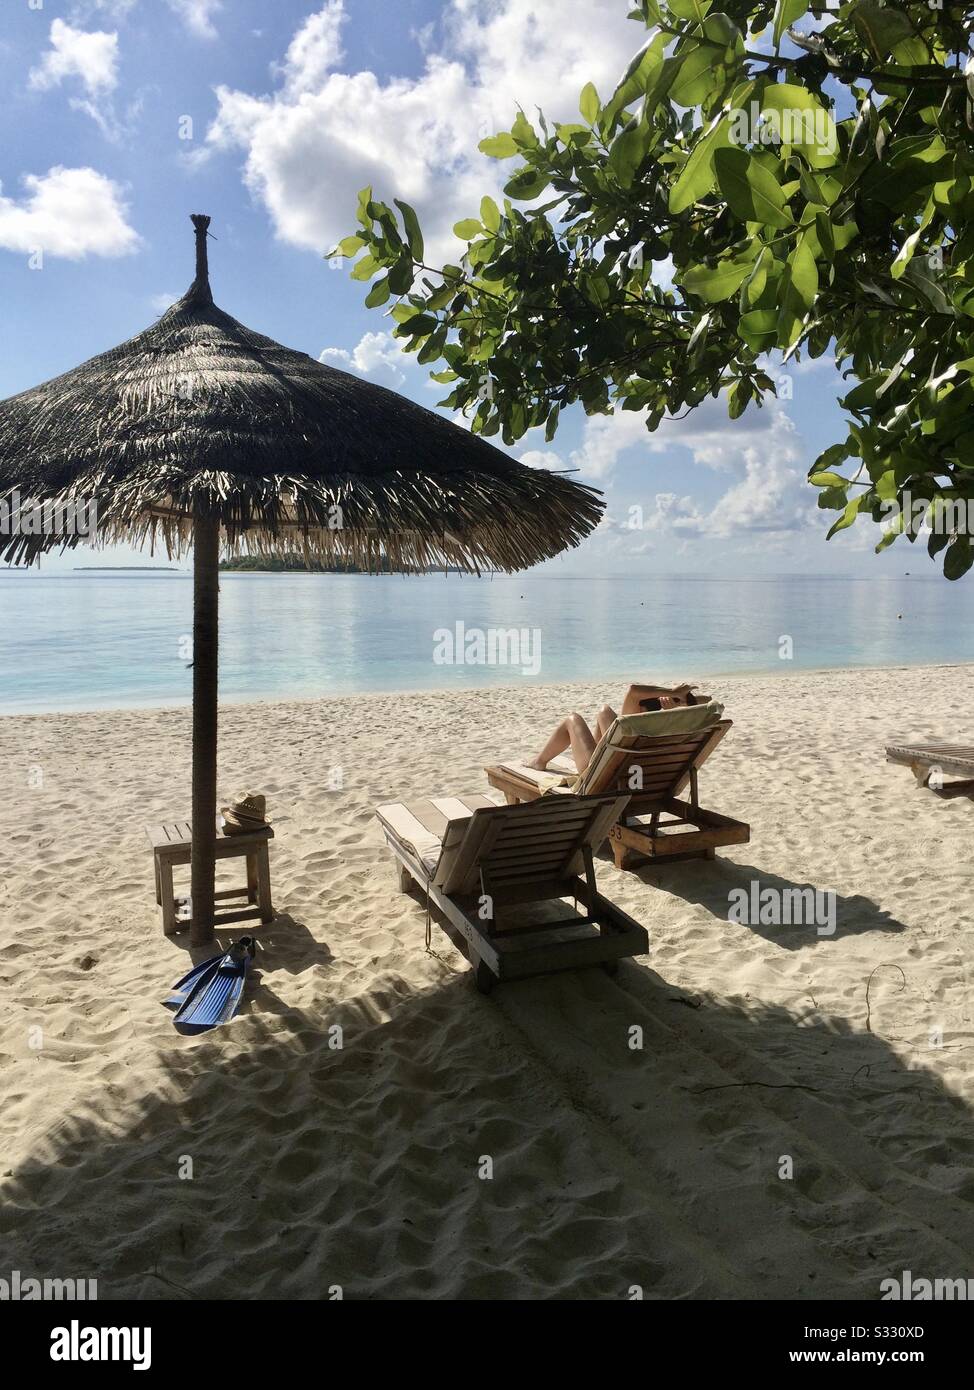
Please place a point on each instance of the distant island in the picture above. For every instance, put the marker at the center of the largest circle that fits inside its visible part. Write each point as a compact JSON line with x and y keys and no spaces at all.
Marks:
{"x":127,"y":569}
{"x":297,"y":564}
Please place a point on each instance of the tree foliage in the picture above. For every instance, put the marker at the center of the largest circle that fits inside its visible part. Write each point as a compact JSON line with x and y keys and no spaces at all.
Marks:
{"x":803,"y":173}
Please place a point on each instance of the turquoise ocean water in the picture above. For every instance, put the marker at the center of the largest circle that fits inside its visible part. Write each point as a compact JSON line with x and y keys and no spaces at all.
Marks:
{"x":87,"y":640}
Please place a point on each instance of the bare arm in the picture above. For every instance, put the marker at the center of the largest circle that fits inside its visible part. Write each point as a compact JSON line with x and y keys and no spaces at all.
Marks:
{"x":679,"y":694}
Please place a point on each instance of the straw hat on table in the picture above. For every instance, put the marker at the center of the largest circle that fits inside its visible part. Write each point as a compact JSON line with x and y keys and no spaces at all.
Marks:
{"x":245,"y":814}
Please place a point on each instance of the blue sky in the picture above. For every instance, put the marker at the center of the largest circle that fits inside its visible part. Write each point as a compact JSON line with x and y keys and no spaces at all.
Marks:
{"x":123,"y":116}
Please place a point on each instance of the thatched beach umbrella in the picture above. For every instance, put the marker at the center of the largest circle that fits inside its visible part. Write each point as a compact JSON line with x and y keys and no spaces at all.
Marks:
{"x":201,"y":433}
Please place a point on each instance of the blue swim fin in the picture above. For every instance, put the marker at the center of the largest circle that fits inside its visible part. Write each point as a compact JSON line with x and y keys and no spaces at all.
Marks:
{"x":218,"y":1000}
{"x":184,"y":989}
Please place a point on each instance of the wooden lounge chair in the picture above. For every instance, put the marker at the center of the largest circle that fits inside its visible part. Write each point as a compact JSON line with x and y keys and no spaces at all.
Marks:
{"x":479,"y":863}
{"x":929,"y":761}
{"x":650,"y":758}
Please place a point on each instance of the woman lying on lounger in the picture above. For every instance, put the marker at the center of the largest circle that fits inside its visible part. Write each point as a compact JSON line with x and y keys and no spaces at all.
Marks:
{"x":574,"y":732}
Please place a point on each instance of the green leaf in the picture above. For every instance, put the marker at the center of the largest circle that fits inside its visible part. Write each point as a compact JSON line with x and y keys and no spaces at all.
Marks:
{"x":721,"y":282}
{"x":751,"y":190}
{"x":418,"y":326}
{"x":696,"y":77}
{"x":758,"y":278}
{"x":833,"y":499}
{"x":490,"y":214}
{"x":882,"y":26}
{"x":758,"y":328}
{"x":527,"y":183}
{"x":628,"y":152}
{"x":958,"y":557}
{"x":799,"y":287}
{"x":402,"y":274}
{"x":589,"y":104}
{"x":467,"y":229}
{"x":696,"y":178}
{"x":378,"y":294}
{"x":501,"y":146}
{"x":364,"y":199}
{"x":349,"y":246}
{"x":365,"y":268}
{"x":737,"y":399}
{"x":640,"y":77}
{"x":827,"y":479}
{"x":835,"y":453}
{"x":786,"y":12}
{"x":414,"y":235}
{"x":803,"y":272}
{"x":802,"y":122}
{"x":524,"y":133}
{"x":846,"y":519}
{"x":690,"y":9}
{"x":886,"y":486}
{"x":905,"y":254}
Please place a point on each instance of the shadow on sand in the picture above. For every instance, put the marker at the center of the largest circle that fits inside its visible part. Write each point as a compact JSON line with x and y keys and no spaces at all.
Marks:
{"x":709,"y":884}
{"x":414,"y":1142}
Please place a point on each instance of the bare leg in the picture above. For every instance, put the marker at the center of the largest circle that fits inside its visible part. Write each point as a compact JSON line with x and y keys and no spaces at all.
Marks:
{"x":573,"y":732}
{"x":604,"y":720}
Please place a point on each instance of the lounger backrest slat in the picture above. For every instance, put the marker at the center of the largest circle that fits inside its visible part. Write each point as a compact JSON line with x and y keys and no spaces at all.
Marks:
{"x":542,"y":839}
{"x":649,"y":766}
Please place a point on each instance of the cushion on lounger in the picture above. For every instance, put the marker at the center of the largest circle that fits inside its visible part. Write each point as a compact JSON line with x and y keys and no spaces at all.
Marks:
{"x":684,"y":719}
{"x":421,"y":825}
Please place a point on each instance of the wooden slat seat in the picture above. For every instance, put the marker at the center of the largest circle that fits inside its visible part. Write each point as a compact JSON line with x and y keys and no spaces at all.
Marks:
{"x":930,"y":761}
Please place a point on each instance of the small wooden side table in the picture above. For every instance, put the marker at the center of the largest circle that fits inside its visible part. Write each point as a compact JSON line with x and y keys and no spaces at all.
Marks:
{"x":172,"y":844}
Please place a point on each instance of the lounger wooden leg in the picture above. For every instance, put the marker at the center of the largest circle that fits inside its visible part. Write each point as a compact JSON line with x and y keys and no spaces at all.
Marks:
{"x":155,"y":861}
{"x":621,"y":854}
{"x":484,"y":977}
{"x":405,"y":878}
{"x":511,"y":799}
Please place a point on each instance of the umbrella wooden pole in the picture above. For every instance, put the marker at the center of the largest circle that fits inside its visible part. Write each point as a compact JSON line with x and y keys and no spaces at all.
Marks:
{"x":206,"y":602}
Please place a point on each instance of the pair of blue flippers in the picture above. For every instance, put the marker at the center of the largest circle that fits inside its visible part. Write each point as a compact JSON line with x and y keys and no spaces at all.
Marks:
{"x":210,"y":993}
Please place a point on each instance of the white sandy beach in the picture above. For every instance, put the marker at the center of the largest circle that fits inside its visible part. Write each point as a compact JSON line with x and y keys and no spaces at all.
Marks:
{"x":612,"y":1168}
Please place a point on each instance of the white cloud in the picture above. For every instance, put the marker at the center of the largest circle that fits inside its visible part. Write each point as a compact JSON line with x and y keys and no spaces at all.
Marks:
{"x":67,"y":212}
{"x":315,"y":50}
{"x":162,"y":302}
{"x":197,"y":15}
{"x":543,"y":458}
{"x":762,"y":452}
{"x":771,"y":496}
{"x":377,"y":355}
{"x":323,"y":134}
{"x":706,"y":431}
{"x":84,"y":10}
{"x":606,"y":438}
{"x":92,"y":58}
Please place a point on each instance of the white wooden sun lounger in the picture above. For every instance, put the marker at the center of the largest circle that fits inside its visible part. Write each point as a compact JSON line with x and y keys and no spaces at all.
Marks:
{"x":477,"y":862}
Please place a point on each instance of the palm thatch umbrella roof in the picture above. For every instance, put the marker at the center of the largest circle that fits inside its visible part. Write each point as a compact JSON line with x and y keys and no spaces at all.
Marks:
{"x":199,"y":410}
{"x":201,"y":433}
